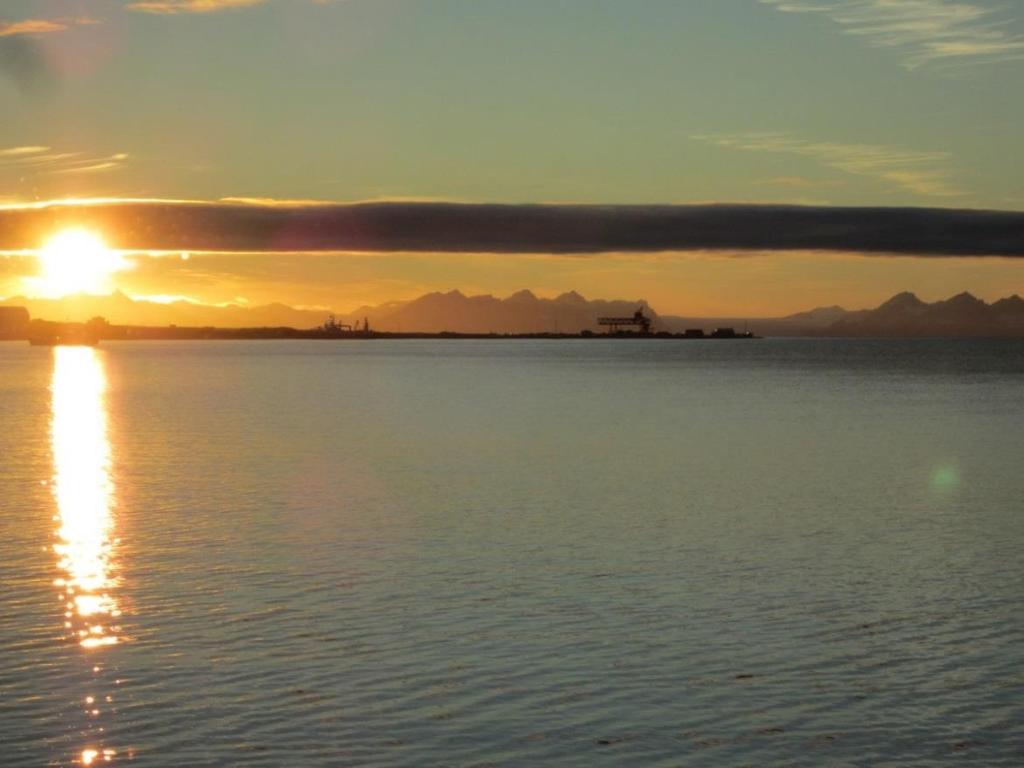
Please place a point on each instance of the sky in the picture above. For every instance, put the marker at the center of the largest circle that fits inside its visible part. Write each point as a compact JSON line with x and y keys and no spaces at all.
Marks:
{"x":910,"y":103}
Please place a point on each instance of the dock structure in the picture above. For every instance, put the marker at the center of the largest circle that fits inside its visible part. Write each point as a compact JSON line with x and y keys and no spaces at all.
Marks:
{"x":332,"y":327}
{"x":638,"y":322}
{"x":336,"y":330}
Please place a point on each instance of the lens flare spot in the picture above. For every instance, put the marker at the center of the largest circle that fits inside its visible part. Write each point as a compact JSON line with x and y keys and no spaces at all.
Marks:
{"x":945,"y":478}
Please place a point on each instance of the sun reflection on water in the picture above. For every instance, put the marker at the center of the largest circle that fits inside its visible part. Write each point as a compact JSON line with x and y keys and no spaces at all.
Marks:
{"x":82,"y":485}
{"x":86,"y":544}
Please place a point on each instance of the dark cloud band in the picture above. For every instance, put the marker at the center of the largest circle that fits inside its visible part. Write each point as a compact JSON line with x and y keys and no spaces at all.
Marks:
{"x":568,"y":229}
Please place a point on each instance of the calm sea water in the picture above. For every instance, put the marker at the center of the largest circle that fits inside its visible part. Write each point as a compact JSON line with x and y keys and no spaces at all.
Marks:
{"x":780,"y":552}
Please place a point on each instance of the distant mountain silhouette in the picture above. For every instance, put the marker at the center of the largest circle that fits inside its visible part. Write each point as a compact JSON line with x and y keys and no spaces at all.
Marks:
{"x":120,"y":309}
{"x":1009,"y":307}
{"x":961,"y":315}
{"x":523,"y":312}
{"x":904,"y":315}
{"x":906,"y":303}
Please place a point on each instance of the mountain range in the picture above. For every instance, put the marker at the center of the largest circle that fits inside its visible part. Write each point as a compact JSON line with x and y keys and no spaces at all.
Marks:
{"x":523,"y":312}
{"x":962,"y":315}
{"x":903,"y":315}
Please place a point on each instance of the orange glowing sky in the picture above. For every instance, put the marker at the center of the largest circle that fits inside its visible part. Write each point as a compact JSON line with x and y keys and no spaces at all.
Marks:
{"x":903,"y":103}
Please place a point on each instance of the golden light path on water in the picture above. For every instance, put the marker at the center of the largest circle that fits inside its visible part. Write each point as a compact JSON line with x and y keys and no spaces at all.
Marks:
{"x":85,"y":496}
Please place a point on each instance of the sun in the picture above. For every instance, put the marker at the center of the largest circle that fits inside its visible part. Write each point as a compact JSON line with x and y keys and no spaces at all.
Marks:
{"x":76,"y":261}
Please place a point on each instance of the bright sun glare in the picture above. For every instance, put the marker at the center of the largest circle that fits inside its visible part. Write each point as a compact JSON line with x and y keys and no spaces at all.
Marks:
{"x":76,"y":261}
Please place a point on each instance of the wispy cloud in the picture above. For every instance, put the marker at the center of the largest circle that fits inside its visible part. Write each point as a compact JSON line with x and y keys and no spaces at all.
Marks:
{"x":22,"y":151}
{"x":30,"y":27}
{"x":796,"y":182}
{"x":33,"y":27}
{"x":189,"y":6}
{"x":168,"y":7}
{"x":28,"y":160}
{"x":923,"y":31}
{"x":920,"y":172}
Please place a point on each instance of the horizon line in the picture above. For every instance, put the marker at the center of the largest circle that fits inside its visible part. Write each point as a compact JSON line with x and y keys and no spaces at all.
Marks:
{"x":196,"y":303}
